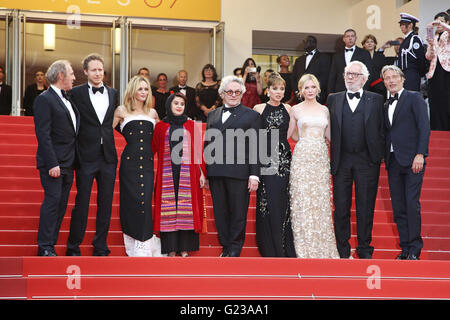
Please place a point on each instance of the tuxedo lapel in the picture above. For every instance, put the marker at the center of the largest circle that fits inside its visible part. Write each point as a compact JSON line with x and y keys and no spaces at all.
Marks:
{"x":88,"y":102}
{"x":339,"y":108}
{"x":111,"y":106}
{"x":366,"y":102}
{"x":232,"y":118}
{"x":399,"y":106}
{"x":63,"y":106}
{"x":313,"y":60}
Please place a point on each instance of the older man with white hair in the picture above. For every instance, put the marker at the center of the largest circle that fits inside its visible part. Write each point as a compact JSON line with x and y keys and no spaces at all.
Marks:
{"x":233,"y":170}
{"x":357,"y":144}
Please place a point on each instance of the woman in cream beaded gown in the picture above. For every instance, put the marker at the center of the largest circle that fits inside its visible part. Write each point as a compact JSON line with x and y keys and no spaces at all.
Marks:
{"x":310,"y":191}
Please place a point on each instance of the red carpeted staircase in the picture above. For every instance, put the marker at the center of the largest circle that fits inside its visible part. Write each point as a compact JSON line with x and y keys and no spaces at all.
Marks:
{"x":21,"y":196}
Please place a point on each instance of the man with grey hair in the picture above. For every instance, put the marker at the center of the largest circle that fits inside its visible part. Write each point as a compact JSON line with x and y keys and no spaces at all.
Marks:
{"x":56,"y":121}
{"x":357,"y":143}
{"x":233,"y":169}
{"x":407,"y":137}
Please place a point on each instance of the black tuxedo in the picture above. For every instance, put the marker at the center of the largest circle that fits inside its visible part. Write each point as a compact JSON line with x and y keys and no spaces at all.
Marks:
{"x":228,"y":174}
{"x":336,"y":81}
{"x":5,"y":99}
{"x":56,"y":137}
{"x":356,"y":152}
{"x":409,"y":135}
{"x":98,"y":159}
{"x":192,"y":111}
{"x":318,"y":66}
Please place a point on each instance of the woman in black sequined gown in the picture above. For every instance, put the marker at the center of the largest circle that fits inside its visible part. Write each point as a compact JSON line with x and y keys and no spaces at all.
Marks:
{"x":273,"y":228}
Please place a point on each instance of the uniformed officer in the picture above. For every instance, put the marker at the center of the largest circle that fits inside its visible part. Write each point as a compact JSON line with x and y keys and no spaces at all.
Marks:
{"x":411,"y":54}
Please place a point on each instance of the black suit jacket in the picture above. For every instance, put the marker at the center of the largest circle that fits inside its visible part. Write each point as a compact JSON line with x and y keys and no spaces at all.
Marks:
{"x":92,"y":132}
{"x":336,"y":80}
{"x":319,"y":66}
{"x":373,"y":125}
{"x":5,"y":99}
{"x":192,"y":111}
{"x":410,"y":129}
{"x":55,"y":132}
{"x":244,"y":158}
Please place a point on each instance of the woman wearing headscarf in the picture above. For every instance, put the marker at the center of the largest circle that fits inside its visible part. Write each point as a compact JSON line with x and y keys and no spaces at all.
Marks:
{"x":179,"y":209}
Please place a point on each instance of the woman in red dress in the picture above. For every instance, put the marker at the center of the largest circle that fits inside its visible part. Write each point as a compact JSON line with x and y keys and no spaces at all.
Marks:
{"x":179,"y":208}
{"x":253,"y":84}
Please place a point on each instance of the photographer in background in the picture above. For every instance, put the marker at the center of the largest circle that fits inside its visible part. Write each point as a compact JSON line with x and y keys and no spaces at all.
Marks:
{"x":253,"y":83}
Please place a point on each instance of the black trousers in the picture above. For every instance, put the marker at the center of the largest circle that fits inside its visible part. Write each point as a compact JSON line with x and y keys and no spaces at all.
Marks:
{"x":230,"y":202}
{"x":355,"y":168}
{"x":405,"y":187}
{"x":53,"y":208}
{"x":105,"y":175}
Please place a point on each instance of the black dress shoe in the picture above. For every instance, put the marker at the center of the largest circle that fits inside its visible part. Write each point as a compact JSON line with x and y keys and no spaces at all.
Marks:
{"x":46,"y":253}
{"x":413,"y":257}
{"x":224,"y":254}
{"x":403,"y":256}
{"x":73,"y":253}
{"x":233,"y":254}
{"x":100,"y":254}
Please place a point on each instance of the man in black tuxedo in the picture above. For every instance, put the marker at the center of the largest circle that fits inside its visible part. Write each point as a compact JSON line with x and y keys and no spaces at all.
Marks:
{"x":233,"y":170}
{"x":56,"y":121}
{"x":192,"y":111}
{"x":407,"y":138}
{"x":357,"y":146}
{"x":5,"y":95}
{"x":341,"y":59}
{"x":97,"y":155}
{"x":313,"y":62}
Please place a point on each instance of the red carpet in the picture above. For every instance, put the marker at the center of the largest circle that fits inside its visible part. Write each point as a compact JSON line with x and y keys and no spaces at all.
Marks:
{"x":24,"y":276}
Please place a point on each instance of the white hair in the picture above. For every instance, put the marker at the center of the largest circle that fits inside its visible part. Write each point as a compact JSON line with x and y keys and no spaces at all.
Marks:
{"x":227,"y":80}
{"x":55,"y":69}
{"x":364,"y":69}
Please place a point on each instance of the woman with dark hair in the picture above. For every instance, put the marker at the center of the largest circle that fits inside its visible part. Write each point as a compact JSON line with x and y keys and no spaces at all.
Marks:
{"x":206,"y":92}
{"x":284,"y":63}
{"x":438,"y":53}
{"x":179,"y":208}
{"x":253,"y":84}
{"x":161,"y":94}
{"x":378,"y":61}
{"x":32,"y":91}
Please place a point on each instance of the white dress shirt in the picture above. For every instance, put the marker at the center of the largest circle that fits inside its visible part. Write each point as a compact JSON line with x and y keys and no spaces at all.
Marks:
{"x":391,"y":111}
{"x":67,"y":104}
{"x":100,"y":101}
{"x":309,"y":58}
{"x":353,"y":103}
{"x":349,"y":54}
{"x":182,"y":89}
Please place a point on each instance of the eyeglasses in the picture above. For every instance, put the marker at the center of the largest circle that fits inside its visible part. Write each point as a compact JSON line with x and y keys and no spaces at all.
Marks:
{"x":352,"y":74}
{"x":237,"y":93}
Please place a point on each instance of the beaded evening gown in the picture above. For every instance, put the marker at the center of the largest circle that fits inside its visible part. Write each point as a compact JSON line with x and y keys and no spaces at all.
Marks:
{"x":273,"y":228}
{"x":310,"y":191}
{"x":136,"y":187}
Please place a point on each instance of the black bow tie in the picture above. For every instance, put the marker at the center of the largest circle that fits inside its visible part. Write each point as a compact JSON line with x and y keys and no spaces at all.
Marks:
{"x":94,"y":89}
{"x":182,"y":87}
{"x":309,"y":53}
{"x":347,"y":50}
{"x":352,"y":95}
{"x":65,"y":95}
{"x":231,"y":110}
{"x":393,"y":98}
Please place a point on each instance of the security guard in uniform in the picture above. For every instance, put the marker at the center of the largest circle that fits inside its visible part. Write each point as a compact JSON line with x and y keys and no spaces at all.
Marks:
{"x":411,"y":54}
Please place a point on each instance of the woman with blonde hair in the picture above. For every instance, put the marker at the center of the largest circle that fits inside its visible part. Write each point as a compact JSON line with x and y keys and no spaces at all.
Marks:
{"x":137,"y":120}
{"x":309,"y":183}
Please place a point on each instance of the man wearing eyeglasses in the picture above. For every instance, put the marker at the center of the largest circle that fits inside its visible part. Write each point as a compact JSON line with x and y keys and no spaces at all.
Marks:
{"x":357,"y":145}
{"x":233,"y":170}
